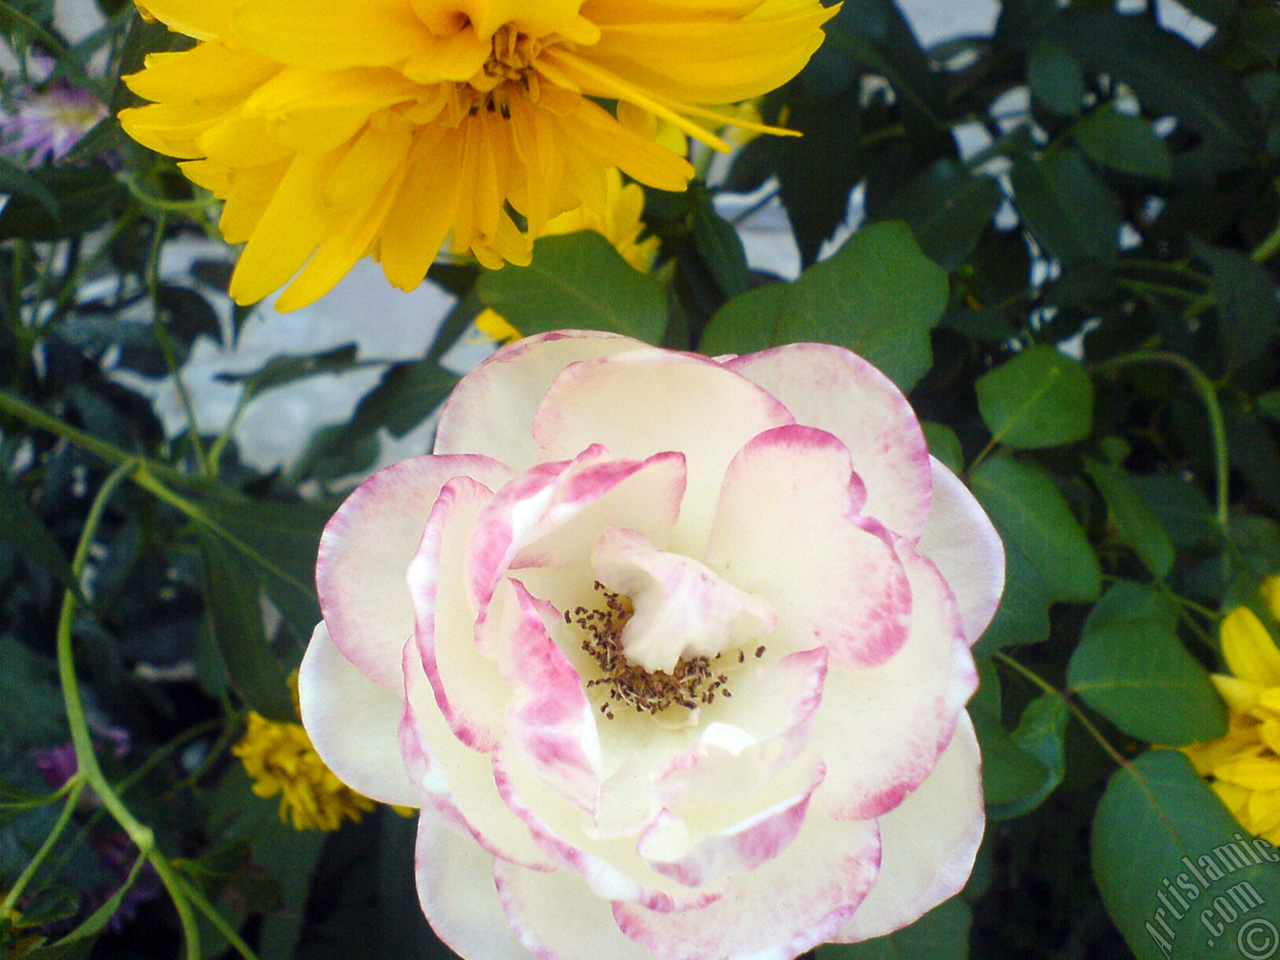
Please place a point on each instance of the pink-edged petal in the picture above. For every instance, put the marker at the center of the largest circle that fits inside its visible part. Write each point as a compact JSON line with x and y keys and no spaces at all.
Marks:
{"x":456,"y":780}
{"x":458,"y":895}
{"x":611,"y":867}
{"x":549,"y":719}
{"x":491,"y":410}
{"x":930,"y":842}
{"x":552,"y":515}
{"x":829,"y":387}
{"x":783,"y":530}
{"x":557,"y":917}
{"x":961,"y":541}
{"x":683,"y":610}
{"x":777,"y":911}
{"x":671,"y":847}
{"x":882,"y":730}
{"x":468,"y":686}
{"x":366,"y":549}
{"x":646,"y":401}
{"x":353,"y":723}
{"x":754,"y":733}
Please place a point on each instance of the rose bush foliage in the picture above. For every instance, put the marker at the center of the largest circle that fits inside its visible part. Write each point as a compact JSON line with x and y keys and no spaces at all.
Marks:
{"x":672,"y":652}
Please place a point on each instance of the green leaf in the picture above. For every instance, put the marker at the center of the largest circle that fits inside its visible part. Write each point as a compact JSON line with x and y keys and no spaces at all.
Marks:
{"x":1170,"y":77}
{"x":577,"y":281}
{"x":1030,"y":513}
{"x":235,"y":611}
{"x":721,"y":248}
{"x":30,"y":699}
{"x":1137,"y":524}
{"x":279,"y":371}
{"x":407,"y":394}
{"x":941,"y":934}
{"x":1122,"y":142}
{"x":1040,"y":398}
{"x":1011,"y":775}
{"x":15,"y":180}
{"x":947,"y":209}
{"x":1041,"y":733}
{"x":746,"y":323}
{"x":21,"y":526}
{"x":1183,"y":509}
{"x":87,"y":197}
{"x":278,"y":542}
{"x":1023,"y":614}
{"x":878,"y":295}
{"x":945,"y":445}
{"x":1067,"y":207}
{"x":1131,"y":667}
{"x":1055,"y":78}
{"x":1172,"y":863}
{"x":1247,"y":302}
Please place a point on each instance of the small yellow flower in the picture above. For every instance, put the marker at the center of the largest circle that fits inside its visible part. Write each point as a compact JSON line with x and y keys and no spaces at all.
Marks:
{"x":281,"y":760}
{"x":1244,"y":765}
{"x":341,"y":129}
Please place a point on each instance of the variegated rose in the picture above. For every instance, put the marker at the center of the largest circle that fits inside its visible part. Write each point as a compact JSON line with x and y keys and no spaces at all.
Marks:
{"x":672,"y":652}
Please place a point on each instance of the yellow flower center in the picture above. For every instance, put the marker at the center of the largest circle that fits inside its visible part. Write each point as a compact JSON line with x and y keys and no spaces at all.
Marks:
{"x":508,"y":72}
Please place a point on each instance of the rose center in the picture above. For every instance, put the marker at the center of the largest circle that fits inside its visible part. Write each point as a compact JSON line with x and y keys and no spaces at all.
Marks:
{"x":693,"y":682}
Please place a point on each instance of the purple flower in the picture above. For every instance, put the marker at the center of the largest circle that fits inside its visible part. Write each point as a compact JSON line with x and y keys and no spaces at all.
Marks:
{"x":49,"y":122}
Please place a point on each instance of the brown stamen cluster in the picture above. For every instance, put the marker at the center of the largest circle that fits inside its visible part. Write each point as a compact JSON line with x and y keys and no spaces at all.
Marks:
{"x":509,"y":65}
{"x":693,"y":681}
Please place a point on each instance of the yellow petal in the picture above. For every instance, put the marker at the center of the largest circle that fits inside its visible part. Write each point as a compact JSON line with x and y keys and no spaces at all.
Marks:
{"x":332,"y":34}
{"x":207,"y":73}
{"x":1271,"y":596}
{"x":202,"y":19}
{"x":1250,"y":652}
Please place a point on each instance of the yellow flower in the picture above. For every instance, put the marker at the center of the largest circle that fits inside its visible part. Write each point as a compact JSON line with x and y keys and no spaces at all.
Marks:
{"x":1244,"y":765}
{"x":281,"y":760}
{"x":343,"y":128}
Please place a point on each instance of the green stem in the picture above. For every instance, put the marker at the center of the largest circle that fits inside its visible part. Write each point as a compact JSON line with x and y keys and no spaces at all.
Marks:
{"x":88,"y":442}
{"x":1267,"y":249}
{"x":73,"y":798}
{"x":219,"y":921}
{"x":161,"y":330}
{"x":1079,"y":714}
{"x":142,"y":836}
{"x":1209,"y":396}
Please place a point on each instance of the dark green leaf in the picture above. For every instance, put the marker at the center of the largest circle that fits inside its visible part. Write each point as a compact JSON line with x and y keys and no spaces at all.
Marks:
{"x":1169,"y":76}
{"x":1167,"y":853}
{"x":945,"y":445}
{"x":1023,"y":614}
{"x":1055,"y":78}
{"x":1067,"y":207}
{"x":235,"y":609}
{"x":1040,"y":398}
{"x":1122,"y":142}
{"x":278,"y":542}
{"x":407,"y":394}
{"x":281,"y":370}
{"x":947,"y":209}
{"x":1041,"y":733}
{"x":1131,"y":667}
{"x":878,"y":295}
{"x":1137,"y":524}
{"x":1030,"y":513}
{"x":941,"y":934}
{"x":746,"y":323}
{"x":1011,"y":775}
{"x":577,"y":281}
{"x":21,"y":526}
{"x":15,"y":180}
{"x":87,"y":197}
{"x":721,"y":249}
{"x":1247,"y":302}
{"x":30,"y":701}
{"x":1183,"y":510}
